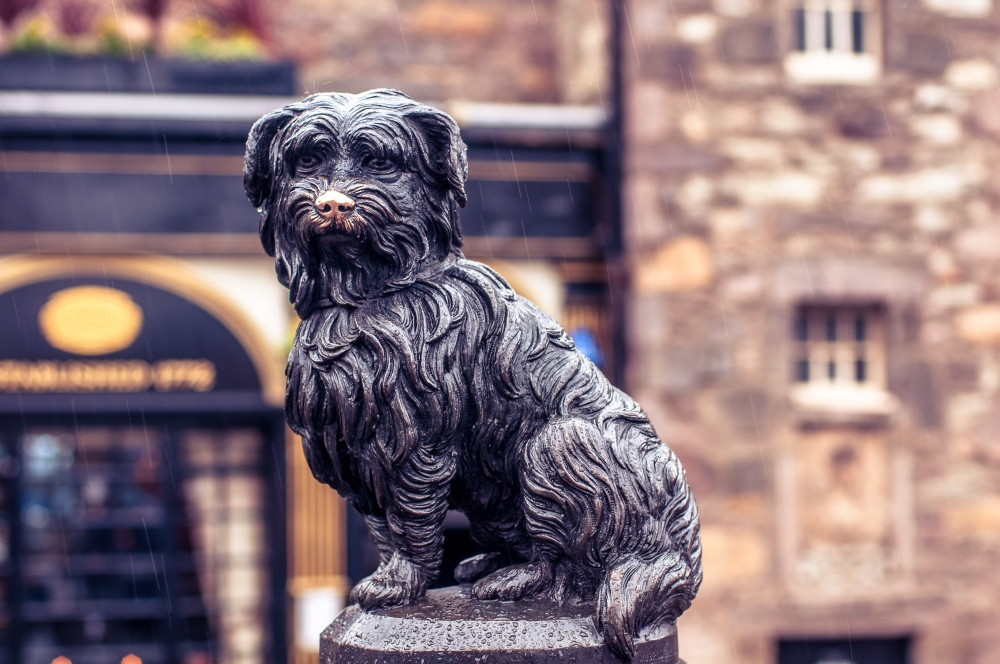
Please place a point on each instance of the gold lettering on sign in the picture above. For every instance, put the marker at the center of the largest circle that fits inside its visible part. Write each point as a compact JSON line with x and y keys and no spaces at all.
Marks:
{"x":196,"y":375}
{"x":175,"y":375}
{"x":90,"y":320}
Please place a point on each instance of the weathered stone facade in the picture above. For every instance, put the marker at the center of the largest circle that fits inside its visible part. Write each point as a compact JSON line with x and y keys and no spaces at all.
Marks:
{"x":751,"y":194}
{"x":545,"y":51}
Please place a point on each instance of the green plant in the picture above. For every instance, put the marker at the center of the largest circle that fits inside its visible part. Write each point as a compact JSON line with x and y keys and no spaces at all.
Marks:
{"x":36,"y":37}
{"x":110,"y":39}
{"x":204,"y":39}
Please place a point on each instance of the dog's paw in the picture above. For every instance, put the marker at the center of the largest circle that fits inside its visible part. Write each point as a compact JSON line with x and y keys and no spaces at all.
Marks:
{"x":397,"y":582}
{"x":476,"y":567}
{"x":515,"y":582}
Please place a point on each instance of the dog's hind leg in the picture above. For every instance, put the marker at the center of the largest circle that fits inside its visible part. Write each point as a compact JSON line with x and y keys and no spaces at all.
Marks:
{"x":515,"y":581}
{"x":556,"y":485}
{"x":637,"y":593}
{"x":569,"y":490}
{"x":478,"y":566}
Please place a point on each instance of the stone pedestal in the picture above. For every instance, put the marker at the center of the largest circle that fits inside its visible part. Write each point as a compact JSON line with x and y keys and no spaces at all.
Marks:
{"x":449,"y":627}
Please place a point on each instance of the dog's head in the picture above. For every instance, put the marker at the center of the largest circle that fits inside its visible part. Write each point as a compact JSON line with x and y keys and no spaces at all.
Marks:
{"x":359,"y":194}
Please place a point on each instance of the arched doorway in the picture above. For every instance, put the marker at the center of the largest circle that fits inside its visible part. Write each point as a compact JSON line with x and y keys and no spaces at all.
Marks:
{"x":141,"y":471}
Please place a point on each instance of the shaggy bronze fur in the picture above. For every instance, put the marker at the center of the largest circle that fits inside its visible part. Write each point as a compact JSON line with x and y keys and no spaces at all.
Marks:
{"x":420,"y":381}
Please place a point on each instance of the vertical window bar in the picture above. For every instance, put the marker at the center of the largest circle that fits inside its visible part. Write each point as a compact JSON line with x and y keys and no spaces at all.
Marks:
{"x":173,"y":522}
{"x":860,"y":328}
{"x":15,"y":591}
{"x":858,"y":30}
{"x":831,"y":328}
{"x":860,"y":371}
{"x":802,"y":371}
{"x":831,"y":370}
{"x":799,"y":21}
{"x":828,"y":30}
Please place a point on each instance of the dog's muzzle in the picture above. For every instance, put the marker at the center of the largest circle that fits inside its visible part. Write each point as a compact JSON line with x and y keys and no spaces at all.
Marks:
{"x":335,"y":208}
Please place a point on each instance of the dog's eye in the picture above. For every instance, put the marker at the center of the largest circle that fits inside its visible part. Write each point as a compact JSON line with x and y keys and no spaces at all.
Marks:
{"x":307,"y":161}
{"x":378,"y":163}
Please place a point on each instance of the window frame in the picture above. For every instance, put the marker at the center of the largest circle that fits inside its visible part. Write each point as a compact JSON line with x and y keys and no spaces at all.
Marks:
{"x":822,"y":42}
{"x":837,"y":395}
{"x":843,"y":344}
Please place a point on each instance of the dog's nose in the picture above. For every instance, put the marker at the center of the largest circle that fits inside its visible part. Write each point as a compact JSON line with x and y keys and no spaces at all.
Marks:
{"x":333,"y":204}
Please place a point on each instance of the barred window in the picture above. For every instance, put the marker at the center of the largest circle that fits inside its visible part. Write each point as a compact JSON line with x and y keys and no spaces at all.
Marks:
{"x":830,"y":25}
{"x":834,"y":41}
{"x":839,"y":345}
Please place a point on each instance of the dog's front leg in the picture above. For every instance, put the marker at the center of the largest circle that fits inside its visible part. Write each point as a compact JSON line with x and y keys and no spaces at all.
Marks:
{"x":412,"y":544}
{"x":378,"y":531}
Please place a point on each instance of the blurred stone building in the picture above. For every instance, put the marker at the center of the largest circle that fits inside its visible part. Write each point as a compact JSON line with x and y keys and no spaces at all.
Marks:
{"x":784,"y":247}
{"x":812,"y":241}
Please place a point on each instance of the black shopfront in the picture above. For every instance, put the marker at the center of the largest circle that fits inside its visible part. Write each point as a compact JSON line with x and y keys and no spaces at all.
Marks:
{"x":141,"y":498}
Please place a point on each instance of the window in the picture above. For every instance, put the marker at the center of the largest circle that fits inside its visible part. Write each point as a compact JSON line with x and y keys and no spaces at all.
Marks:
{"x":839,"y":345}
{"x":838,"y":357}
{"x":834,"y":41}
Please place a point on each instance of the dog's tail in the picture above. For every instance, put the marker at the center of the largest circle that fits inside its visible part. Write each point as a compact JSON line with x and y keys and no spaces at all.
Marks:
{"x":655,"y":584}
{"x":637,"y":594}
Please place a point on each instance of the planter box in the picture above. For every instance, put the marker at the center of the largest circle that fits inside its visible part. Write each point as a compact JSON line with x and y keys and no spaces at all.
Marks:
{"x":146,"y":74}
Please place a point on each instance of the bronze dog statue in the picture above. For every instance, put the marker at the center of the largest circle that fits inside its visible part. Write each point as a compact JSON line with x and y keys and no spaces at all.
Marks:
{"x":419,"y":381}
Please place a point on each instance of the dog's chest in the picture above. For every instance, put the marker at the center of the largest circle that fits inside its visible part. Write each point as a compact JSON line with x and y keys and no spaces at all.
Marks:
{"x":373,"y":337}
{"x":341,"y":347}
{"x":363,"y":363}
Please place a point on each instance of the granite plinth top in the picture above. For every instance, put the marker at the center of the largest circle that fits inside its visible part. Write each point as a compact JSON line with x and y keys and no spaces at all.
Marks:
{"x":450,"y":627}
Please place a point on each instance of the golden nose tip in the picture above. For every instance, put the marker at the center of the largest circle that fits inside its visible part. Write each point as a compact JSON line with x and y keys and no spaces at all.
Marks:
{"x":332,"y":204}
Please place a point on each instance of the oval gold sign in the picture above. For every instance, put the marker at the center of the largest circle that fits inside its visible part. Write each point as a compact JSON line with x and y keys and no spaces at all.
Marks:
{"x":90,"y":320}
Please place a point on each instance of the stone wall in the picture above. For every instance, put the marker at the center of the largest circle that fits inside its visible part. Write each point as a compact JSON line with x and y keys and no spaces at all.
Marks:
{"x":523,"y":51}
{"x":748,"y":194}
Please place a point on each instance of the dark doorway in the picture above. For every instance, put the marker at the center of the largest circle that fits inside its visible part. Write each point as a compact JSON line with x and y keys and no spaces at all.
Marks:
{"x":141,"y":541}
{"x":844,"y":651}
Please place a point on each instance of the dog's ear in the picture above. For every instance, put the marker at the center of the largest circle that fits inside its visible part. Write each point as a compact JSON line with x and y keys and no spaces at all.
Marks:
{"x":256,"y":165}
{"x":443,"y":147}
